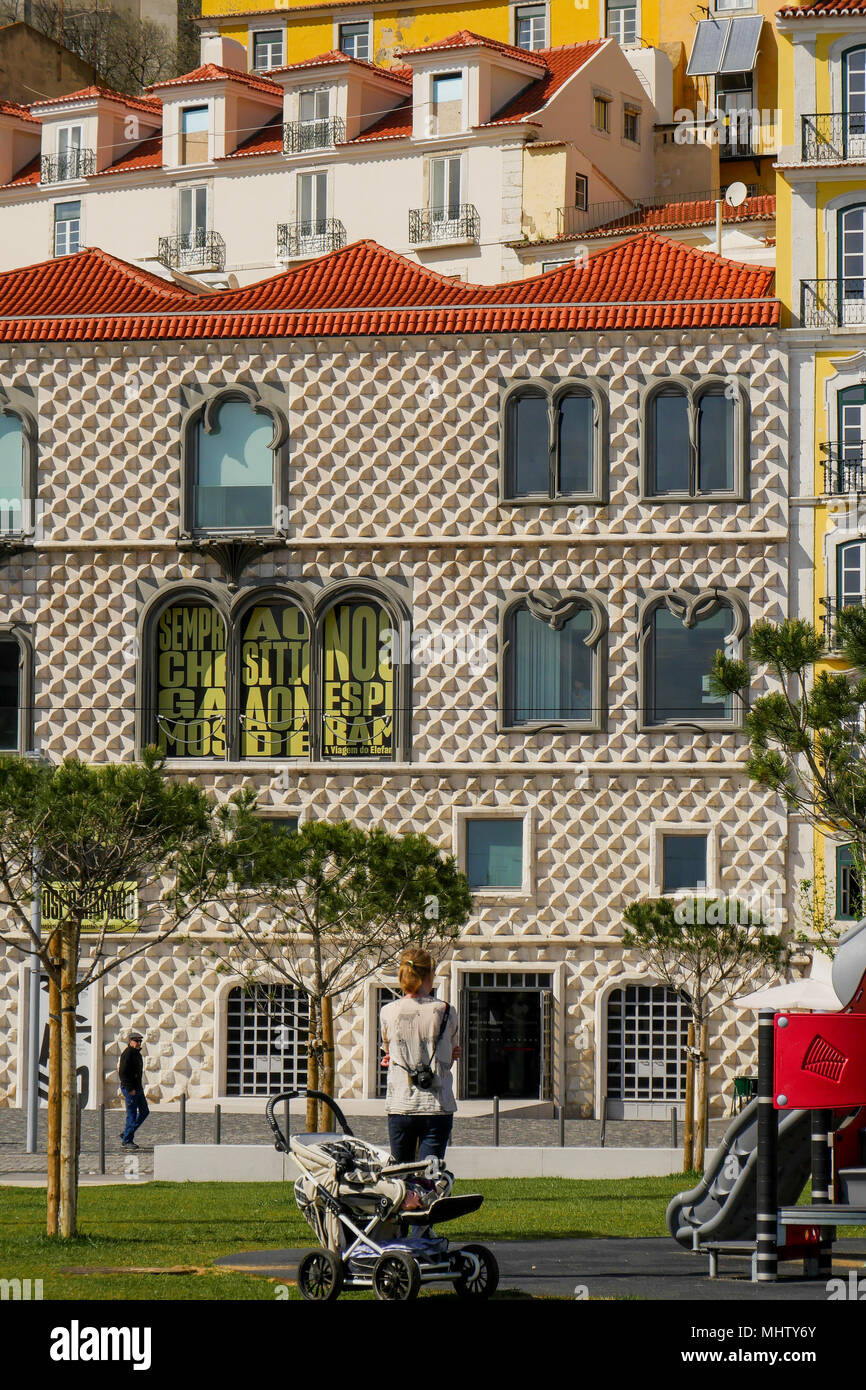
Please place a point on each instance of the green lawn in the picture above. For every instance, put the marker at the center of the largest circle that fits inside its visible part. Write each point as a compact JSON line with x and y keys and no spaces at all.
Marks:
{"x":163,"y":1225}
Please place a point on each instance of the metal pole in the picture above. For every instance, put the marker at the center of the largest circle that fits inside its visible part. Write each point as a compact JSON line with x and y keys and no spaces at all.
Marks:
{"x":674,"y":1144}
{"x":603,"y":1135}
{"x":562,"y":1126}
{"x":183,"y":1118}
{"x":102,"y":1137}
{"x":217,"y":1125}
{"x":496,"y":1122}
{"x":719,"y":226}
{"x":286,"y":1109}
{"x":767,"y":1163}
{"x":822,"y":1188}
{"x":33,"y":1031}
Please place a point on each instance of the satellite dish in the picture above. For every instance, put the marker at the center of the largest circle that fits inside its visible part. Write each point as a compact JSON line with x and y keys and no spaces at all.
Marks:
{"x":736,"y":194}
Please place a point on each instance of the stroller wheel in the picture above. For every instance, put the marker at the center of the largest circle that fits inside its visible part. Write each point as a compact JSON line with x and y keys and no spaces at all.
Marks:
{"x":320,"y":1276}
{"x":396,"y":1277}
{"x":476,"y":1281}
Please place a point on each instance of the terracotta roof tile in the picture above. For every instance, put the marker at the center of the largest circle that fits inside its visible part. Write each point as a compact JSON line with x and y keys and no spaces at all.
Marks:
{"x":561,"y":64}
{"x":267,"y":140}
{"x":690,"y":214}
{"x":147,"y":155}
{"x":647,"y":282}
{"x":210,"y":72}
{"x":151,"y":105}
{"x":465,"y":38}
{"x":11,"y":108}
{"x":31,"y":173}
{"x":335,"y":57}
{"x":394,"y":125}
{"x":822,"y":9}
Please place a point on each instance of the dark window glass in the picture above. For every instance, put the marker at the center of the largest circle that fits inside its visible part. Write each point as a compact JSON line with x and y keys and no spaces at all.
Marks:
{"x":684,"y":862}
{"x":849,"y":893}
{"x":715,"y":443}
{"x":575,"y":433}
{"x":551,"y":670}
{"x":530,"y":445}
{"x":680,"y":661}
{"x":494,"y":853}
{"x":10,"y":654}
{"x":671,"y":451}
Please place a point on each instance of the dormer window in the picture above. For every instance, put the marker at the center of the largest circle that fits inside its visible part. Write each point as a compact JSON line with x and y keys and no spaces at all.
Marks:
{"x":194,"y":135}
{"x":447,"y":103}
{"x":355,"y":40}
{"x":267,"y":49}
{"x":69,"y":142}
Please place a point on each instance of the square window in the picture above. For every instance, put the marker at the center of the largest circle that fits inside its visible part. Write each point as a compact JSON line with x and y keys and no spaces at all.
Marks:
{"x":601,"y":113}
{"x":494,"y":853}
{"x":684,"y":863}
{"x":355,"y":40}
{"x":631,"y":125}
{"x":622,"y":21}
{"x":267,"y":49}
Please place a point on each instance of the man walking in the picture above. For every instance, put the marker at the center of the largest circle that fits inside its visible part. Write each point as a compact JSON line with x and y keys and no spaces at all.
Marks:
{"x":131,"y":1084}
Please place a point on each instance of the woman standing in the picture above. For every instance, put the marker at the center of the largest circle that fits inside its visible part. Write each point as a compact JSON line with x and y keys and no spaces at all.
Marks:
{"x":420,"y":1036}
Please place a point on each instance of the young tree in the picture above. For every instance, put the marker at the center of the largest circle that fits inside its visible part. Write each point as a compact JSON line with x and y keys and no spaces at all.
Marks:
{"x":86,"y":836}
{"x":324,"y":907}
{"x":711,"y":950}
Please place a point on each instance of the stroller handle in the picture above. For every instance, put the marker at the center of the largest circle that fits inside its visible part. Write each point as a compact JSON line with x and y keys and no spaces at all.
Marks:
{"x":281,"y":1141}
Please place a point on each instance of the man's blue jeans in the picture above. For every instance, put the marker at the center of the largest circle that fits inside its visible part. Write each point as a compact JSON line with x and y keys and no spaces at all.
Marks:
{"x":428,"y":1133}
{"x":137,"y":1111}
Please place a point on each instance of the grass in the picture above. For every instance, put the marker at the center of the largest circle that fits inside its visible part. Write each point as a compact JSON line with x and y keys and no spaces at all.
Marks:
{"x":163,"y":1225}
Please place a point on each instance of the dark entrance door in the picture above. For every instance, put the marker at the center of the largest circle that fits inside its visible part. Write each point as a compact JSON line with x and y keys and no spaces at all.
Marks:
{"x":505,"y":1042}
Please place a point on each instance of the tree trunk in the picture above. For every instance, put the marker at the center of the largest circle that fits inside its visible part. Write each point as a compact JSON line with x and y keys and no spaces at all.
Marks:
{"x":314,"y":1047}
{"x":689,"y":1121}
{"x":52,"y":1225}
{"x":327,"y":1070}
{"x":69,"y":1097}
{"x":703,"y":1077}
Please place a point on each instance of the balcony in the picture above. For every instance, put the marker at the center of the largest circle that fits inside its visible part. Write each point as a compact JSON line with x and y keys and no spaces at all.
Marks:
{"x":295,"y":240}
{"x":427,"y":226}
{"x":839,"y":303}
{"x":192,"y":251}
{"x":832,"y":608}
{"x":299,"y":136}
{"x":74,"y":164}
{"x":844,"y":469}
{"x":833,"y":135}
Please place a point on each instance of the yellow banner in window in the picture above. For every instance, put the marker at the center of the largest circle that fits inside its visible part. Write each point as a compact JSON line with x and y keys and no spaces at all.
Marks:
{"x":114,"y":908}
{"x":358,"y":684}
{"x":275,"y":683}
{"x":191,"y":682}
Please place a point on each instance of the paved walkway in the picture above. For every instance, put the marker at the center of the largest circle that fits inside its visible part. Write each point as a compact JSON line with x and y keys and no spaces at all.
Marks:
{"x":611,"y":1267}
{"x":162,"y":1127}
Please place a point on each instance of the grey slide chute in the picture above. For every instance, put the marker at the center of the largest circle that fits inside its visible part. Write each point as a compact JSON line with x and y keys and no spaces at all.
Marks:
{"x":723,"y":1204}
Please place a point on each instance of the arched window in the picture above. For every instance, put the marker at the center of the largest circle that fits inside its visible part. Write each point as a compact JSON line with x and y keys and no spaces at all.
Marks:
{"x":854,"y":102}
{"x":852,"y":264}
{"x":694,"y":437}
{"x":274,"y":681}
{"x":681,"y":641}
{"x":13,"y":473}
{"x":552,"y":441}
{"x":550,"y":663}
{"x":190,"y":697}
{"x":358,"y":681}
{"x":851,"y":574}
{"x":233,"y":450}
{"x":844,"y":465}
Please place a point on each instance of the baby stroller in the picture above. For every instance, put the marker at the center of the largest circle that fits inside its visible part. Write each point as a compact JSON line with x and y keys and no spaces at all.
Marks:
{"x":373,"y":1218}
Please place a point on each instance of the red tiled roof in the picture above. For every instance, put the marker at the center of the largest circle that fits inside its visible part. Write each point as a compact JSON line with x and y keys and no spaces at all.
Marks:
{"x":465,"y":38}
{"x":90,"y":283}
{"x":31,"y":173}
{"x":210,"y":72}
{"x":394,"y":125}
{"x":693,"y":214}
{"x":822,"y":9}
{"x":561,"y":64}
{"x":147,"y":155}
{"x":11,"y":108}
{"x":268,"y":140}
{"x":335,"y":56}
{"x":151,"y":105}
{"x":647,"y":282}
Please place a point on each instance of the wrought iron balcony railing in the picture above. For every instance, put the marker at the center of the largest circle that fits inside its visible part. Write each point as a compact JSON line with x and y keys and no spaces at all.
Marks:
{"x":456,"y":223}
{"x":838,"y":303}
{"x":192,"y":251}
{"x":844,"y":468}
{"x":309,"y":238}
{"x":619,"y":214}
{"x":312,"y":135}
{"x":74,"y":164}
{"x":829,"y":136}
{"x":832,"y":608}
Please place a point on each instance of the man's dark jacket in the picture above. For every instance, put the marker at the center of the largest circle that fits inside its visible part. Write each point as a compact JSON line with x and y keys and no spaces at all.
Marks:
{"x":130,"y":1069}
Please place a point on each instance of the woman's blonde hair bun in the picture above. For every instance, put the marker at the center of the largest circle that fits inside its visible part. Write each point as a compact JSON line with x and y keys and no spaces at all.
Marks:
{"x":415,"y":966}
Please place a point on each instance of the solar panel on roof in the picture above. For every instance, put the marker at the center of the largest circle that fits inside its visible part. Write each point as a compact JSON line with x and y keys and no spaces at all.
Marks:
{"x":741,"y":49}
{"x":710,"y":38}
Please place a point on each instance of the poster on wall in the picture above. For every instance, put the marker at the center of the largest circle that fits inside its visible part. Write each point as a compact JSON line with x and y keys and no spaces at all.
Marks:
{"x":84,"y":1026}
{"x":114,"y":908}
{"x":275,"y":683}
{"x":191,"y":682}
{"x":358,"y":682}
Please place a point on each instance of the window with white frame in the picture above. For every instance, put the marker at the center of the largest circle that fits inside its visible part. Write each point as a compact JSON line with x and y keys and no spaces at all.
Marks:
{"x":67,"y":228}
{"x":267,"y":49}
{"x":447,"y":103}
{"x":530,"y":26}
{"x":581,"y":192}
{"x":312,"y":204}
{"x":194,"y":122}
{"x":622,"y":21}
{"x":314,"y":105}
{"x":70,"y":139}
{"x":192,"y":219}
{"x":445,"y":188}
{"x":355,"y":40}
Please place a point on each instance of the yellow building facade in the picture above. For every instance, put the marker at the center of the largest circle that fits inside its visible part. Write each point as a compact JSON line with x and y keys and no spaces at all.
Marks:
{"x":821,"y":280}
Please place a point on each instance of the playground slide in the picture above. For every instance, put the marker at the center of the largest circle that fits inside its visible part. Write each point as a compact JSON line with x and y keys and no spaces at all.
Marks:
{"x":722,"y":1206}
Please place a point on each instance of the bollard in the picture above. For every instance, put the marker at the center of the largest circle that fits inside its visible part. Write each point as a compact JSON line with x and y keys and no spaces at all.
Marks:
{"x":102,"y":1138}
{"x":286,"y":1130}
{"x":183,"y":1118}
{"x":562,"y":1126}
{"x":603,"y":1135}
{"x":496,"y":1122}
{"x":674,"y":1144}
{"x":217,"y":1124}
